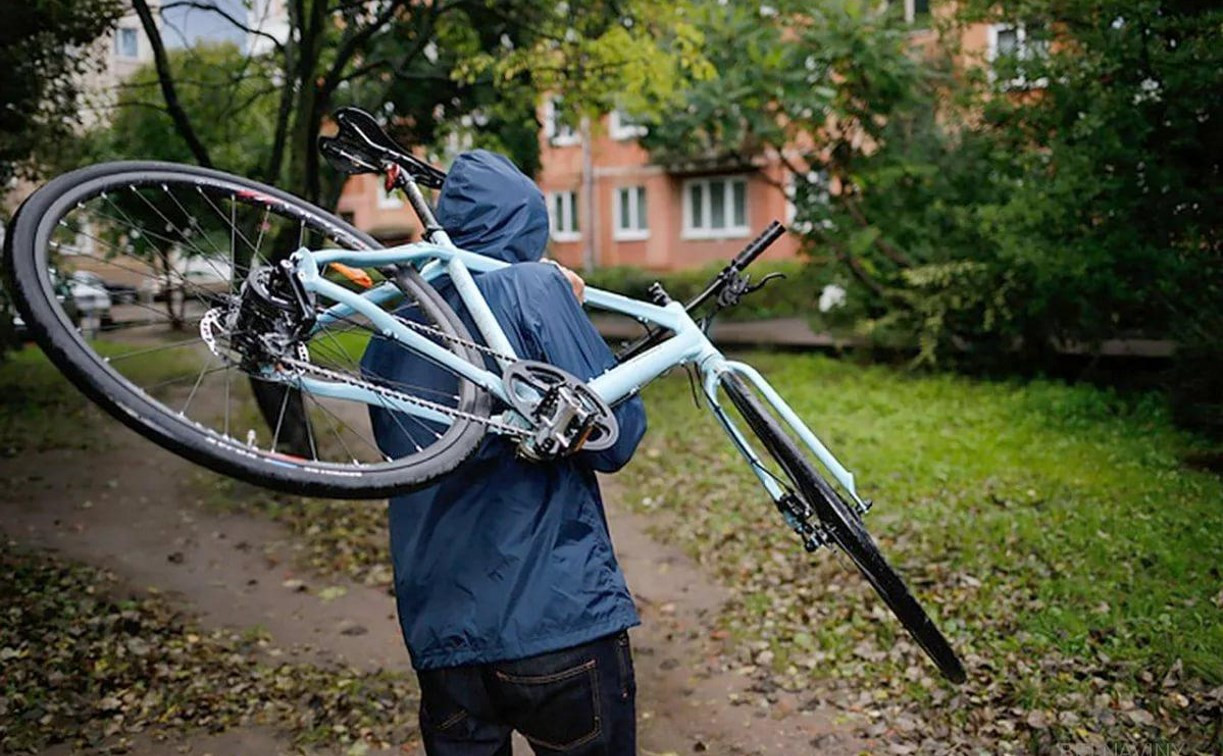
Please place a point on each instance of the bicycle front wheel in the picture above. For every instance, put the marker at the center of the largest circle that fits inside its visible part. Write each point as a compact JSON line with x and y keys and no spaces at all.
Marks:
{"x":844,"y":526}
{"x":121,"y":271}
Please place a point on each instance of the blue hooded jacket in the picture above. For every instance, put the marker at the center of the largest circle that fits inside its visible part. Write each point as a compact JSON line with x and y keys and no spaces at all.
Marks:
{"x":503,"y":558}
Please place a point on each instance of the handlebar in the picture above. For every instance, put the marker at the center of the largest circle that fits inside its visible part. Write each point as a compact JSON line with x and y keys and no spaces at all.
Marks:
{"x":753,"y":250}
{"x":730,"y":273}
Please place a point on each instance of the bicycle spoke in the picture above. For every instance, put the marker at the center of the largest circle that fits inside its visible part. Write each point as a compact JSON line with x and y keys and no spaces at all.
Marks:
{"x":184,"y":236}
{"x":337,"y":421}
{"x":235,"y":228}
{"x":203,"y":371}
{"x":171,"y":381}
{"x":228,"y":376}
{"x":152,"y":350}
{"x":284,"y":402}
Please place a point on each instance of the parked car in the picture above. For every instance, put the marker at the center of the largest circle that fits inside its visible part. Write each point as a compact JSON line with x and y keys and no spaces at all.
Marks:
{"x":197,"y":281}
{"x":92,"y":302}
{"x":63,"y":292}
{"x":119,"y":293}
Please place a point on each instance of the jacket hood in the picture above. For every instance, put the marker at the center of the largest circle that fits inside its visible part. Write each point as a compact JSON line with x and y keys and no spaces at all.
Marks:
{"x":489,"y":207}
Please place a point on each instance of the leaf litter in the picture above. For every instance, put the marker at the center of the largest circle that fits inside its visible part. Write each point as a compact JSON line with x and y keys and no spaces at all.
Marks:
{"x":86,"y":664}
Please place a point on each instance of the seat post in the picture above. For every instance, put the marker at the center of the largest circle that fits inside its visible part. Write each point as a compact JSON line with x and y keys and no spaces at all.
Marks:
{"x":420,"y":205}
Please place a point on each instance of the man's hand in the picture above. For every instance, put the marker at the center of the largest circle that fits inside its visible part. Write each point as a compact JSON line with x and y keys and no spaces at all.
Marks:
{"x":579,"y":286}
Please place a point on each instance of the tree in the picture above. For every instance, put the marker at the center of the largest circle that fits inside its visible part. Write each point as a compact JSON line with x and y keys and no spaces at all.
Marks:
{"x":230,"y":96}
{"x":835,"y":90}
{"x":42,"y":54}
{"x":429,"y":63}
{"x":1068,"y":195}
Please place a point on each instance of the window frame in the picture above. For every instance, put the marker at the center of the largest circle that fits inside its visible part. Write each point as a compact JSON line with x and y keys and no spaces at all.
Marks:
{"x":1023,"y":51}
{"x":622,"y":132}
{"x":556,"y":226}
{"x":558,"y":133}
{"x":120,"y":34}
{"x":707,"y":231}
{"x":912,"y":16}
{"x":639,"y":215}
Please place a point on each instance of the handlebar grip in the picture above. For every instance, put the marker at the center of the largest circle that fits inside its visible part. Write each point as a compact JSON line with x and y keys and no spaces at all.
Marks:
{"x":756,"y":246}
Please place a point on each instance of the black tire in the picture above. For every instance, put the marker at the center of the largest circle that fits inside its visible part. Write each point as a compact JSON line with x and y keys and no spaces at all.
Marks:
{"x":27,"y":262}
{"x":844,"y":526}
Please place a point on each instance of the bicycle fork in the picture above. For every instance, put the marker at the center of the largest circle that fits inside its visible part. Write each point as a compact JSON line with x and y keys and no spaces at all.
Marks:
{"x":797,"y":513}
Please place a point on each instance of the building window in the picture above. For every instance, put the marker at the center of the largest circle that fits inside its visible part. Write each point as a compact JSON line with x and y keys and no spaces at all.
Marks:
{"x":622,"y":126}
{"x":715,"y":208}
{"x":563,"y":216}
{"x":917,"y":11}
{"x":559,"y":133}
{"x":630,"y":213}
{"x":1018,"y":43}
{"x":127,"y":44}
{"x":388,"y":200}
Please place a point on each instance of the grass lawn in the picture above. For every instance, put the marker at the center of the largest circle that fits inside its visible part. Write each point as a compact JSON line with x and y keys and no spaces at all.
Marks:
{"x":40,"y":409}
{"x":1051,"y":530}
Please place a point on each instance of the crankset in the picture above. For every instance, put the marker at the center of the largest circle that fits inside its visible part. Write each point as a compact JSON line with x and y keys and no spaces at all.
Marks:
{"x":565,"y":414}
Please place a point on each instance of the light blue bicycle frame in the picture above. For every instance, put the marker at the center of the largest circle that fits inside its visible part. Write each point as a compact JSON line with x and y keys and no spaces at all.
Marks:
{"x":688,"y":345}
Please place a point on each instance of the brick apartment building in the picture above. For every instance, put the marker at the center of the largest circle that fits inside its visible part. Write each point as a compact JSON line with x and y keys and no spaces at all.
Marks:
{"x":626,"y":210}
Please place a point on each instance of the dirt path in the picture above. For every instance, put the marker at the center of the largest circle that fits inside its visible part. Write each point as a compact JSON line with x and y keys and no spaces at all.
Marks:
{"x":131,"y":509}
{"x":688,"y":700}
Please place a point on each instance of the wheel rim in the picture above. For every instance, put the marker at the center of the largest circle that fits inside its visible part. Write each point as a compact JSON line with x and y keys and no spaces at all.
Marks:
{"x":173,"y":247}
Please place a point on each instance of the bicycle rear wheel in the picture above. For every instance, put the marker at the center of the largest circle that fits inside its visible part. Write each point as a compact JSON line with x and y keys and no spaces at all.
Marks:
{"x":844,"y":526}
{"x":179,"y":242}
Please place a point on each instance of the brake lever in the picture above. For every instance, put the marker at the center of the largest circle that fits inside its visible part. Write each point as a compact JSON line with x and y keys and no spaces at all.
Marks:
{"x":739,"y":286}
{"x":763,"y":281}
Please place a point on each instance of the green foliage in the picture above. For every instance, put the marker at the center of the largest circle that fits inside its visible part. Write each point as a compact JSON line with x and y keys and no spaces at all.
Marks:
{"x":1069,"y":195}
{"x":440,"y":75}
{"x":1109,"y":175}
{"x":225,"y":93}
{"x":784,"y":72}
{"x":40,"y":90}
{"x":597,"y":55}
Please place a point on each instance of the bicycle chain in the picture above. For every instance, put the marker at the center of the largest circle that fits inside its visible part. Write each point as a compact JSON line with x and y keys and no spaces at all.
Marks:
{"x":422,"y":328}
{"x":305,"y":366}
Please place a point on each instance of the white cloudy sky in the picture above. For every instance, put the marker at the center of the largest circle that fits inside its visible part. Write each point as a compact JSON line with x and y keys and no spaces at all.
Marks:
{"x":184,"y":25}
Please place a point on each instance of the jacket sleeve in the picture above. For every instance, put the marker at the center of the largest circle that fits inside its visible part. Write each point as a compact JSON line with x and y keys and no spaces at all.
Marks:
{"x":566,"y":338}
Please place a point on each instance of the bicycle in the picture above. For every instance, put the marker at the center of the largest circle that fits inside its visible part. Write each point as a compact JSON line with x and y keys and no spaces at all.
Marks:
{"x":282,"y":293}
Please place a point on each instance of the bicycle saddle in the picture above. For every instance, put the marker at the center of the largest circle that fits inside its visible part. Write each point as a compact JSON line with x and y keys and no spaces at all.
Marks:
{"x":361,"y":146}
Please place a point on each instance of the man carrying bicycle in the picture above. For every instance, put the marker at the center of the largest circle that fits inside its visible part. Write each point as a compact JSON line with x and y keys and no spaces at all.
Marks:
{"x":512,"y":604}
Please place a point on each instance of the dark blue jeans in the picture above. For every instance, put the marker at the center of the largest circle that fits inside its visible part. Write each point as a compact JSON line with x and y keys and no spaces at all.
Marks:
{"x":579,"y":700}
